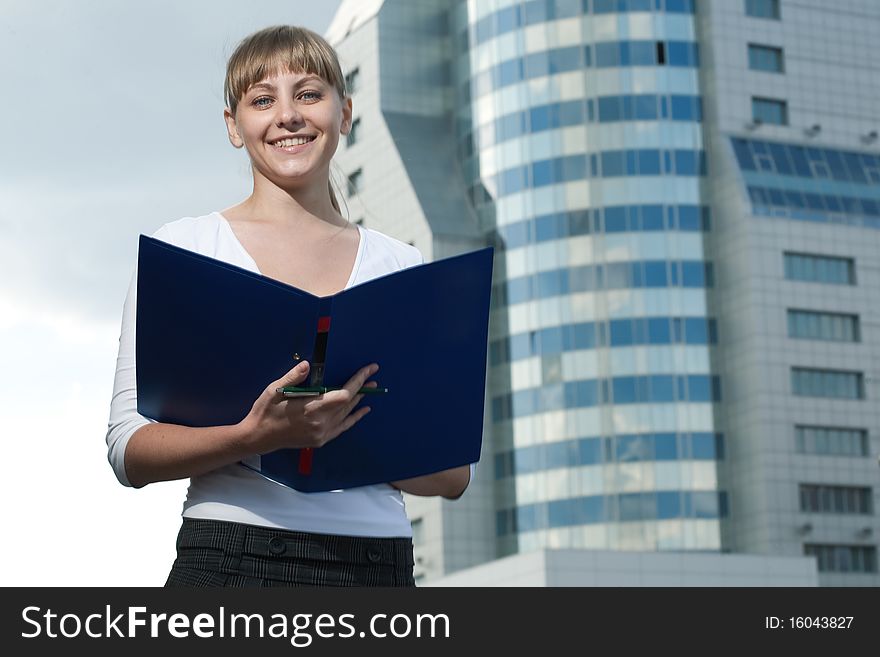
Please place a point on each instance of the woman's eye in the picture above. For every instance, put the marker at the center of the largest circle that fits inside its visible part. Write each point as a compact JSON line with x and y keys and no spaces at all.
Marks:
{"x":262,"y":101}
{"x":310,"y":95}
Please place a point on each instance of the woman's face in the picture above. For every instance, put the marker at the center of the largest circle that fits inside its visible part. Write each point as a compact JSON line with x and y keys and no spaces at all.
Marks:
{"x":290,"y":125}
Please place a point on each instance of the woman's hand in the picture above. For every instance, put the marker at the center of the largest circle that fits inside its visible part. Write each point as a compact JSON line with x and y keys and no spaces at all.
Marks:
{"x":277,"y":422}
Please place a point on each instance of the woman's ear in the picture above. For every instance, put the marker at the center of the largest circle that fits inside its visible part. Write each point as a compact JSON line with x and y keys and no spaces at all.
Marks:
{"x":234,"y":138}
{"x":345,"y":128}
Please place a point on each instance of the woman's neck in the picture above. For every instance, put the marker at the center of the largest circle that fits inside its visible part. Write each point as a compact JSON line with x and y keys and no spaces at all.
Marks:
{"x":303,"y":207}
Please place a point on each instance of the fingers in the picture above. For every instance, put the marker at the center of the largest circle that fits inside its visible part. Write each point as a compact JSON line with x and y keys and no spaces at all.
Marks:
{"x":350,"y":421}
{"x":295,"y":375}
{"x":356,"y":382}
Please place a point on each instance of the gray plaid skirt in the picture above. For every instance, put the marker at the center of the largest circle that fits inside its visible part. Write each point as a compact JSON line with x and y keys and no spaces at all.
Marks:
{"x":214,"y":553}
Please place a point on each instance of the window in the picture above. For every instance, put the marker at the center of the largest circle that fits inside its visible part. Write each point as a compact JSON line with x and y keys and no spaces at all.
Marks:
{"x":768,"y":110}
{"x":831,"y":384}
{"x":831,"y":441}
{"x":809,"y":325}
{"x":352,"y":136}
{"x":763,"y":9}
{"x":418,"y":531}
{"x":352,"y":81}
{"x":820,"y":269}
{"x":843,"y":558}
{"x":355,"y":182}
{"x":817,"y":498}
{"x":765,"y":58}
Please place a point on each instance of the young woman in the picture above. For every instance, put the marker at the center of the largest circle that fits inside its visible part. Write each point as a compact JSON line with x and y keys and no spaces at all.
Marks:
{"x":286,"y":106}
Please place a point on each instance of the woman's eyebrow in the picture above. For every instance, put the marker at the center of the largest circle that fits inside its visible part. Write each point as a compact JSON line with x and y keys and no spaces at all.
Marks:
{"x":298,"y":83}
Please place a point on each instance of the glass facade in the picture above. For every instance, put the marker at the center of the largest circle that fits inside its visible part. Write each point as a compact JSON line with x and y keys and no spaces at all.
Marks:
{"x":543,"y":133}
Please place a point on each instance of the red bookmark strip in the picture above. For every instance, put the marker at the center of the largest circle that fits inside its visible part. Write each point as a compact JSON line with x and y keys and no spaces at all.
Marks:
{"x":306,"y":454}
{"x":305,"y":461}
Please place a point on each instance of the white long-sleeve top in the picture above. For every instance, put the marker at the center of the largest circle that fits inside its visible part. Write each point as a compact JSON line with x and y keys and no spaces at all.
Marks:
{"x":234,"y":492}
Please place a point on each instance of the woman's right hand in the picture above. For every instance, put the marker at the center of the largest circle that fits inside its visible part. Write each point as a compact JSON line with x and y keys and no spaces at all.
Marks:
{"x":277,"y":422}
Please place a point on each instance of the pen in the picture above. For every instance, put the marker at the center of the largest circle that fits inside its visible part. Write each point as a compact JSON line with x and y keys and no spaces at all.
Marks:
{"x":294,"y":391}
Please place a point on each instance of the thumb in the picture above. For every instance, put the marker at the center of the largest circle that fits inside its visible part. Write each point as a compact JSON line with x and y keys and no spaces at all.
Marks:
{"x":296,"y":375}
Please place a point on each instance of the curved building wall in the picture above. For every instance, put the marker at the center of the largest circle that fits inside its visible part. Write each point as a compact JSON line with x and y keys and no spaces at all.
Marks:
{"x":578,"y":126}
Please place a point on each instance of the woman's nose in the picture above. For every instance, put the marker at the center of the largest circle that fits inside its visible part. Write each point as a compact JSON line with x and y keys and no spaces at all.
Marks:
{"x":288,"y":114}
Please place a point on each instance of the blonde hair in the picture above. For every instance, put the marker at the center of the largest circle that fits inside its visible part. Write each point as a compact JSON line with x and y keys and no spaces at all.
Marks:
{"x":280,"y":48}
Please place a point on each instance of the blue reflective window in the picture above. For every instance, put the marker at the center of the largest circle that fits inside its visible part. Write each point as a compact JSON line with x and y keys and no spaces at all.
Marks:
{"x":649,"y":162}
{"x":584,"y":336}
{"x":652,"y":217}
{"x":705,"y":504}
{"x":655,"y":273}
{"x":520,"y":347}
{"x":646,"y":107}
{"x":583,"y":279}
{"x":668,"y":505}
{"x":665,"y":447}
{"x":685,"y":163}
{"x":513,"y":180}
{"x":593,"y":509}
{"x":568,"y":8}
{"x":511,"y":126}
{"x":536,"y":11}
{"x":586,"y":393}
{"x":680,"y":6}
{"x":634,"y":448}
{"x":743,"y":154}
{"x":624,"y":390}
{"x":696,"y":331}
{"x":683,"y":108}
{"x":618,"y":275}
{"x":682,"y":53}
{"x":658,"y":330}
{"x":699,"y":388}
{"x":589,"y":451}
{"x":621,"y":332}
{"x":561,"y":513}
{"x":662,"y":388}
{"x":631,"y":162}
{"x":689,"y":217}
{"x":551,"y":340}
{"x":565,"y":59}
{"x":612,"y":163}
{"x":780,"y":158}
{"x":536,"y":65}
{"x":542,"y":173}
{"x":510,"y":72}
{"x":640,"y":53}
{"x":527,"y":518}
{"x":607,"y":54}
{"x":615,"y":219}
{"x":574,"y":167}
{"x":693,"y":274}
{"x":571,"y":113}
{"x":630,"y":507}
{"x":509,"y":19}
{"x":703,"y":446}
{"x":610,"y":109}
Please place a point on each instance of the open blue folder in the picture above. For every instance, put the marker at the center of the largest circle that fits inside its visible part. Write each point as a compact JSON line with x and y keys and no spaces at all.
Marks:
{"x":211,"y":336}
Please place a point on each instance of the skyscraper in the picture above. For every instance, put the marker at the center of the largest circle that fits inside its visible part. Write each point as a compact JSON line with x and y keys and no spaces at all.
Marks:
{"x":686,"y":231}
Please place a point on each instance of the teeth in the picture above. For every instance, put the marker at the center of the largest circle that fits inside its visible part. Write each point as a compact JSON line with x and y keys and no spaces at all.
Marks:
{"x":299,"y":141}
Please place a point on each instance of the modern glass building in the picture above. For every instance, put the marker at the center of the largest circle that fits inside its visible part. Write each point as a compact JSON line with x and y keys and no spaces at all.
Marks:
{"x":687,"y":263}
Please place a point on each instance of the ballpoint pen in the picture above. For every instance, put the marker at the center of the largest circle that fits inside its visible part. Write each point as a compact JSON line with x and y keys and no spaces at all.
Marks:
{"x":314,"y":391}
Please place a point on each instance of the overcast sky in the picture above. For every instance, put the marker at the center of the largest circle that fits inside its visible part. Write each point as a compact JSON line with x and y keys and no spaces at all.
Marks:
{"x":112,"y":116}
